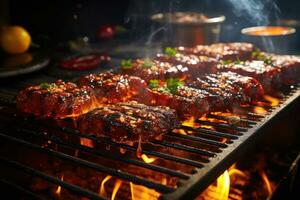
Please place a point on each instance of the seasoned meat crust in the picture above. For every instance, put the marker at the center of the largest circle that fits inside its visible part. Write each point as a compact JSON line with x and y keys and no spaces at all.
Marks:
{"x":266,"y":74}
{"x":222,"y":51}
{"x":58,"y":100}
{"x":130,"y":121}
{"x":113,"y":88}
{"x":229,"y":88}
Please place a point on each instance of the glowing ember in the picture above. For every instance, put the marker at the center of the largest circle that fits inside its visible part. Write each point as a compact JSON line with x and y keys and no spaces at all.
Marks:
{"x":117,"y":186}
{"x":204,"y":118}
{"x":141,"y":192}
{"x":273,"y":101}
{"x":190,"y":122}
{"x":102,"y":191}
{"x":207,"y":127}
{"x":147,"y":159}
{"x":180,"y":131}
{"x":58,"y":190}
{"x":260,"y":110}
{"x":267,"y":183}
{"x":86,"y":142}
{"x":230,"y":117}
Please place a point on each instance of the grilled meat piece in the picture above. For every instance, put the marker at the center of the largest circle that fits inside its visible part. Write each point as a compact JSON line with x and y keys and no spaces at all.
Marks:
{"x":222,"y":51}
{"x":113,"y":88}
{"x":186,"y":101}
{"x":154,"y":69}
{"x":58,"y":100}
{"x":196,"y":65}
{"x":230,"y":89}
{"x":266,"y":74}
{"x":289,"y":67}
{"x":129,"y":122}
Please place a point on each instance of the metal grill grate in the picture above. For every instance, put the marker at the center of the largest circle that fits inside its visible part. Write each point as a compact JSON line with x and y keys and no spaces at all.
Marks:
{"x":206,"y":151}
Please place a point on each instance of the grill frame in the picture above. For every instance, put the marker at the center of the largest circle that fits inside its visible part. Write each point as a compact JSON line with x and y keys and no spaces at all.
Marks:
{"x":206,"y":173}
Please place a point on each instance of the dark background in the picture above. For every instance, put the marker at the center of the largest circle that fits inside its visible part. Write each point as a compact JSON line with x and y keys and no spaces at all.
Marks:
{"x":69,"y":19}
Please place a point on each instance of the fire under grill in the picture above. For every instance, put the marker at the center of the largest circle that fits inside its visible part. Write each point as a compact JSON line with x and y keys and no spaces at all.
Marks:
{"x":178,"y":166}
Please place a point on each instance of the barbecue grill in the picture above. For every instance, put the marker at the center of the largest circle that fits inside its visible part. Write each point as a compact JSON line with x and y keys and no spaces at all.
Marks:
{"x":193,"y":160}
{"x":46,"y":158}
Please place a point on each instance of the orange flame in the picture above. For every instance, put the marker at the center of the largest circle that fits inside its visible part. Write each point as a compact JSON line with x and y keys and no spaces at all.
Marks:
{"x":86,"y":142}
{"x":267,"y":183}
{"x":223,"y":186}
{"x":204,"y":118}
{"x":94,"y":104}
{"x":117,"y":186}
{"x":190,"y":122}
{"x":147,"y":159}
{"x":260,"y":110}
{"x":207,"y":127}
{"x":273,"y":101}
{"x":102,"y":191}
{"x":58,"y":190}
{"x":141,"y":192}
{"x":180,"y":131}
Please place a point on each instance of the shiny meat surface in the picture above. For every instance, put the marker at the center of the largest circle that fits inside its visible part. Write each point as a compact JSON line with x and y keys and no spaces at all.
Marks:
{"x":155,"y":69}
{"x":266,"y":74}
{"x":229,"y":88}
{"x":222,"y":51}
{"x":129,"y":122}
{"x":113,"y":88}
{"x":196,"y":65}
{"x":59,"y":99}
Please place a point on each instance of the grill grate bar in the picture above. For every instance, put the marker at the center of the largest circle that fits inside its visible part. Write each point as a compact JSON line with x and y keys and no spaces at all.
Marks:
{"x":198,"y":139}
{"x":20,"y":189}
{"x":183,"y":147}
{"x":130,"y":148}
{"x":74,"y":188}
{"x":226,"y":118}
{"x":211,"y":132}
{"x":108,"y":155}
{"x":249,"y":114}
{"x":110,"y":171}
{"x":221,"y":125}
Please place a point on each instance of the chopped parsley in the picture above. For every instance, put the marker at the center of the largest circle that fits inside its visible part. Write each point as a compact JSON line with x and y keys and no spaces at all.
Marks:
{"x":47,"y":86}
{"x":173,"y":84}
{"x":170,"y":51}
{"x":154,"y":83}
{"x":238,"y":61}
{"x":126,"y":64}
{"x":226,"y":62}
{"x":147,"y":63}
{"x":261,"y":56}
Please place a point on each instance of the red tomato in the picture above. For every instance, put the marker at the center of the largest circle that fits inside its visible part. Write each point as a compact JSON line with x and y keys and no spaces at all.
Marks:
{"x":84,"y":62}
{"x":106,"y":32}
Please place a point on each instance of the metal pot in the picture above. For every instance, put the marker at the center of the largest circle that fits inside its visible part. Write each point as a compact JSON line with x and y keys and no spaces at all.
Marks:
{"x":189,"y":29}
{"x":273,"y":39}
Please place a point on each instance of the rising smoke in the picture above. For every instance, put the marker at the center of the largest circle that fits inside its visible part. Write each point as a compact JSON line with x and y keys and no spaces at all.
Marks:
{"x":258,"y":12}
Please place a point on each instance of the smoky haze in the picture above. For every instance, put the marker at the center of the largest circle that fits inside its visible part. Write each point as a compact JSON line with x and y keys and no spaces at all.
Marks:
{"x":258,"y":12}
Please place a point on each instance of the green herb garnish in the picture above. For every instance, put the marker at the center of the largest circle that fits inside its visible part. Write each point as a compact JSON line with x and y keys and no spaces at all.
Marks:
{"x":226,"y":62}
{"x":147,"y":63}
{"x":173,"y":84}
{"x":238,"y":61}
{"x":268,"y":61}
{"x":255,"y":54}
{"x":47,"y":86}
{"x":261,"y":56}
{"x":153,"y":83}
{"x":170,"y":51}
{"x":126,"y":64}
